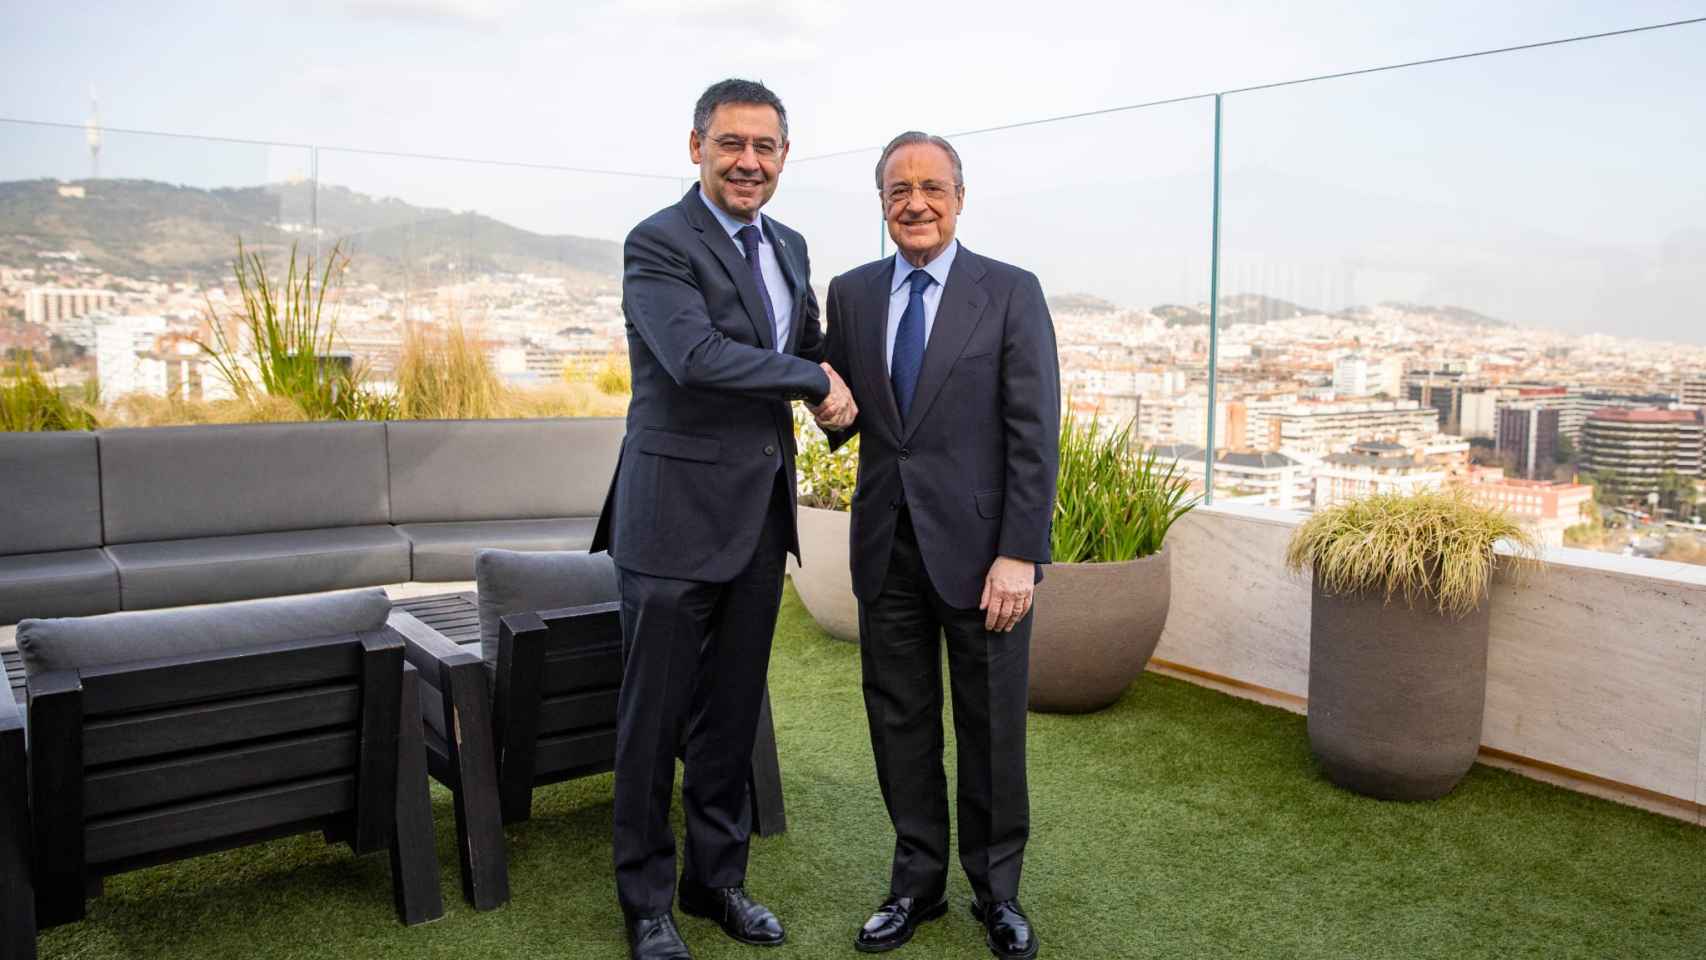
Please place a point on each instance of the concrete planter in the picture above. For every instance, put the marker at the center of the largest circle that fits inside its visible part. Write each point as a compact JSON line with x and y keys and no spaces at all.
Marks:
{"x":1396,"y":695}
{"x":1096,"y":626}
{"x":825,"y":581}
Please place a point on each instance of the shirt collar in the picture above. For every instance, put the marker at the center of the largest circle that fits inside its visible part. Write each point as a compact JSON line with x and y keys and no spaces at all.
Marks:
{"x":937,"y":268}
{"x":731,"y":226}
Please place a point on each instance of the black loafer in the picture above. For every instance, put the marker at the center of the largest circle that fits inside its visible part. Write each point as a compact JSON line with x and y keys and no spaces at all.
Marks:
{"x":1006,"y":929}
{"x":895,"y":922}
{"x":655,"y":938}
{"x":741,"y":917}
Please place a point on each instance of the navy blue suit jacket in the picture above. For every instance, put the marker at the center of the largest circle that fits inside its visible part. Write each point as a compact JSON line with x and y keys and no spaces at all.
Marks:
{"x":709,"y":425}
{"x":976,"y":460}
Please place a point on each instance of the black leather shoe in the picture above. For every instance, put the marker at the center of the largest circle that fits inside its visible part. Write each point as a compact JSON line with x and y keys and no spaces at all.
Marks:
{"x":1006,"y":929}
{"x":895,"y":922}
{"x":740,"y":916}
{"x":655,"y":938}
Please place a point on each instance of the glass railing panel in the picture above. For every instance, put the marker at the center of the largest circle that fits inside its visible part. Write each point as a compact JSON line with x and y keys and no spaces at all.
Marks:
{"x":1112,"y":213}
{"x":116,"y":248}
{"x":520,"y":264}
{"x":1480,"y":273}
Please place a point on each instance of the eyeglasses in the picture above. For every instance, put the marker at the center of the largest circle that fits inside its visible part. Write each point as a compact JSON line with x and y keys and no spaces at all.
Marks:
{"x":763,"y":149}
{"x":899,"y":193}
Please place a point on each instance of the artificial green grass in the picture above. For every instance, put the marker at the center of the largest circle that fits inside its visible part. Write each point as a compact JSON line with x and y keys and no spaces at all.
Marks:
{"x":1178,"y":823}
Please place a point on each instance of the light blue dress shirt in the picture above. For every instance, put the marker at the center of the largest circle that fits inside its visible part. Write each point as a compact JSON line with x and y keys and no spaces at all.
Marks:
{"x":900,"y":292}
{"x":781,"y":298}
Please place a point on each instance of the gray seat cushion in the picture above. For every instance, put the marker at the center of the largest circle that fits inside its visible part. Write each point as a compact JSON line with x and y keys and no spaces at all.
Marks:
{"x":448,"y":470}
{"x":511,"y":582}
{"x":179,"y":483}
{"x":445,"y":551}
{"x":65,"y":583}
{"x":78,"y":642}
{"x":173,"y":573}
{"x":52,"y":492}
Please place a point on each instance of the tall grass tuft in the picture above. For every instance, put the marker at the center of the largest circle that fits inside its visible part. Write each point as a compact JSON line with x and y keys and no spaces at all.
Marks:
{"x":1434,"y":548}
{"x":446,"y":375}
{"x":281,"y":341}
{"x":1113,"y":504}
{"x":28,"y":402}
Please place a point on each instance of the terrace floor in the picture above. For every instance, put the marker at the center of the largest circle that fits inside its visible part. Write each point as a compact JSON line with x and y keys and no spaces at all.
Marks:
{"x":1179,"y":823}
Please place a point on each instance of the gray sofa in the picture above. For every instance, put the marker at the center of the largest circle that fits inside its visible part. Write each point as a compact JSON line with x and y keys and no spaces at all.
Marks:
{"x":159,"y":517}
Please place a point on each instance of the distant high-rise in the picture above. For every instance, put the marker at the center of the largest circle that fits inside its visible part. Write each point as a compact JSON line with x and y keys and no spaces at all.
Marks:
{"x":1442,"y":390}
{"x":1529,"y":432}
{"x":1634,"y":447}
{"x":1693,"y":390}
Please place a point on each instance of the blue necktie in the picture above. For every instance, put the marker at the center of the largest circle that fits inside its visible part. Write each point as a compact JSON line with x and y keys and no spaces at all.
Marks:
{"x":908,"y":357}
{"x":749,"y":239}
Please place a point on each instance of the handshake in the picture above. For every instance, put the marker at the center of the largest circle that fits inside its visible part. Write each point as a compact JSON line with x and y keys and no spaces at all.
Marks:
{"x":837,"y":411}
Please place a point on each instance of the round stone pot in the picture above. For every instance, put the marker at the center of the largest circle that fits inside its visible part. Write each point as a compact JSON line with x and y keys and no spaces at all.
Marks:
{"x":1096,"y":627}
{"x":1396,"y":695}
{"x":825,"y":581}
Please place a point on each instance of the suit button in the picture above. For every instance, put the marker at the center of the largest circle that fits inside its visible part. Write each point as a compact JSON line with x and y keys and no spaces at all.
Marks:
{"x":905,"y":453}
{"x":769,"y":451}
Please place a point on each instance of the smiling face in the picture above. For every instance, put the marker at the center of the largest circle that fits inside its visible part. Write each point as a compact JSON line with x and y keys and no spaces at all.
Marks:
{"x":740,"y":157}
{"x":920,"y":201}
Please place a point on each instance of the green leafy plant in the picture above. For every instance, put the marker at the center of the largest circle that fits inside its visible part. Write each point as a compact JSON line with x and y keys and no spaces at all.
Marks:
{"x":825,"y":478}
{"x":1114,"y":503}
{"x":280,"y":342}
{"x":29,"y":402}
{"x":1434,"y":548}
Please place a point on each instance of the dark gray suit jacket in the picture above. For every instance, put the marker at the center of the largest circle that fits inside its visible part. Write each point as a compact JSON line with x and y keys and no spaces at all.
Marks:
{"x":708,"y":425}
{"x":976,"y":461}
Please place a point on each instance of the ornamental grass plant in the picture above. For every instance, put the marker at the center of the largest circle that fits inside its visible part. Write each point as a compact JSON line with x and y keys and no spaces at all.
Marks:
{"x":279,"y":342}
{"x":1113,"y":503}
{"x":30,"y":402}
{"x":1434,"y":549}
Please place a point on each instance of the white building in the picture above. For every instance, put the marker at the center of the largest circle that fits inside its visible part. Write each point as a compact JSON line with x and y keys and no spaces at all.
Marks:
{"x":50,"y":305}
{"x":1373,"y":468}
{"x":143,"y":355}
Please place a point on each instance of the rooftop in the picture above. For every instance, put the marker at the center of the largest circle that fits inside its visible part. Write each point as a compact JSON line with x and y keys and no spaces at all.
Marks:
{"x":1181,"y":822}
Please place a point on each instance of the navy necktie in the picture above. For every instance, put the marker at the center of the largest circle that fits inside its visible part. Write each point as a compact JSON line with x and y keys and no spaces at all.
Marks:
{"x":749,"y":239}
{"x":908,"y":357}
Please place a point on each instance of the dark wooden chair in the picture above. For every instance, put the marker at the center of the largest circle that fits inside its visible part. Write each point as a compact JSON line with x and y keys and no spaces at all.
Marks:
{"x":140,"y":763}
{"x":17,"y":895}
{"x":549,"y":706}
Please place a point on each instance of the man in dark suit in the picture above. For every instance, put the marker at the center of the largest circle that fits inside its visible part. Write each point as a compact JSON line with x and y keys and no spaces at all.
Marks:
{"x":722,"y":332}
{"x":951,"y":360}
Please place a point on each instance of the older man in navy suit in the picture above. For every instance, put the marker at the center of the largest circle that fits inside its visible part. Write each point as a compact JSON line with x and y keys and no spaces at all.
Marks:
{"x":952,"y":363}
{"x":722,"y":333}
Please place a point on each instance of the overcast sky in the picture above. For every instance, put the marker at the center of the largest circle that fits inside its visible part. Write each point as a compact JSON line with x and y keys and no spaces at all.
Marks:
{"x":1557,"y":187}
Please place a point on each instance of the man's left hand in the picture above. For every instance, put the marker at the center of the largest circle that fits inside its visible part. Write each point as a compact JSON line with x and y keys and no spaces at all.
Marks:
{"x":1007,"y":593}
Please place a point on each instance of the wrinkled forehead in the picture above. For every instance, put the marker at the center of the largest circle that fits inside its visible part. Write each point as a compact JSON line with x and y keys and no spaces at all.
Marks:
{"x":917,"y":162}
{"x":749,"y":120}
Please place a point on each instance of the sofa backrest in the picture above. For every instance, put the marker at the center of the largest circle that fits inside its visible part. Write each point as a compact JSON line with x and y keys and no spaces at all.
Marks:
{"x":172,"y":483}
{"x":50,"y":492}
{"x":450,"y":470}
{"x":72,"y":643}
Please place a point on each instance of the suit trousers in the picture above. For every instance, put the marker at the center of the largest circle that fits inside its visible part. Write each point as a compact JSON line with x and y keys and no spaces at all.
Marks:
{"x":900,"y":640}
{"x":695,"y":658}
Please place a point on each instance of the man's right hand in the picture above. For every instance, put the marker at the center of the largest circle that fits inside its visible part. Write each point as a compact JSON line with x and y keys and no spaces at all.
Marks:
{"x":837,"y":411}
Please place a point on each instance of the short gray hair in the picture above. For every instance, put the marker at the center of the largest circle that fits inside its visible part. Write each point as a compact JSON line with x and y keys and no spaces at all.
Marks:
{"x":912,"y":137}
{"x":735,"y":90}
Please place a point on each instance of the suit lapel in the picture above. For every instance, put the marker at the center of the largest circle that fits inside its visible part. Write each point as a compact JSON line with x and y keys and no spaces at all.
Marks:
{"x":873,"y":312}
{"x":957,"y":316}
{"x":795,"y":276}
{"x":723,"y":246}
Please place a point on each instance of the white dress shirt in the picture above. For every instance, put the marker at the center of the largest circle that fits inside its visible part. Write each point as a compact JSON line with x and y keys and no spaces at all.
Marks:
{"x":900,"y":291}
{"x":781,"y":298}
